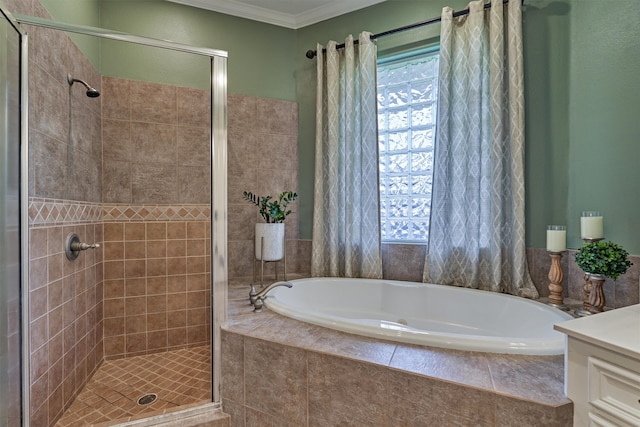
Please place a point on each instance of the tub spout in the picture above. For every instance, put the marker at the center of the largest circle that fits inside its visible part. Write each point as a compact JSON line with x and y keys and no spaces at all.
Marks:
{"x":257,"y":299}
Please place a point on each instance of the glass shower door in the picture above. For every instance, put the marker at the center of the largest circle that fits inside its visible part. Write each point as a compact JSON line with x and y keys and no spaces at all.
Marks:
{"x":10,"y":343}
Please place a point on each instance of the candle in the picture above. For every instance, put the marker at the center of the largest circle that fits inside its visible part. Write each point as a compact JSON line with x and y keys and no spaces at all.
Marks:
{"x":591,"y":225}
{"x":556,"y":238}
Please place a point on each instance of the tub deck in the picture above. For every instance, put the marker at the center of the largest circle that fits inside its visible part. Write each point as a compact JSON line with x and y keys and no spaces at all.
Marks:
{"x":280,"y":371}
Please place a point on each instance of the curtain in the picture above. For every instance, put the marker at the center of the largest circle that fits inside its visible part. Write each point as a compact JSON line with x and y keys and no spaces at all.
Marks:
{"x":477,"y":233}
{"x":346,"y":213}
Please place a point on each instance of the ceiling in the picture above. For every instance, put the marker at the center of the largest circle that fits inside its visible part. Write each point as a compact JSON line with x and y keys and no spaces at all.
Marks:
{"x":286,"y":13}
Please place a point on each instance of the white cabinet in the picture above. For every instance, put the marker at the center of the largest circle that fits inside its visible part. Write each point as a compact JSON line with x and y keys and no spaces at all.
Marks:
{"x":602,"y":368}
{"x":614,"y":392}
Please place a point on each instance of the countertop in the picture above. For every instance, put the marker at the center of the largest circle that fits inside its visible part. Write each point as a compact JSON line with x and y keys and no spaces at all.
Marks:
{"x":617,"y":330}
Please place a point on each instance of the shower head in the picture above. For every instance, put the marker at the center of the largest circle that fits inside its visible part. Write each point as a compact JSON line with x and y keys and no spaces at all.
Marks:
{"x":91,"y":92}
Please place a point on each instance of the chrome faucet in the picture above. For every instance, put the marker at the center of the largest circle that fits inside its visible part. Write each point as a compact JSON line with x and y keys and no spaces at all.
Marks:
{"x":257,"y":298}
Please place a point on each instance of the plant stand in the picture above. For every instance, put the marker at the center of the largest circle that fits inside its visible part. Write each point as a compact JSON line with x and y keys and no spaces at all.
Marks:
{"x":262,"y":263}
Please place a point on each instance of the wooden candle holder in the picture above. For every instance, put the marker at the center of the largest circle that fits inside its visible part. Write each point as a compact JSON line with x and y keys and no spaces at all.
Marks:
{"x":555,"y":281}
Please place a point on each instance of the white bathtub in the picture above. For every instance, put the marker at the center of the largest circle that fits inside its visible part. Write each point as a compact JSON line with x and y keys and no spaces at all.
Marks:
{"x":425,"y":314}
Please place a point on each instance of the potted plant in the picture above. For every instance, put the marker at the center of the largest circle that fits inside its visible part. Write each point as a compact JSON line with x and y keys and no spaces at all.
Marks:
{"x":270,"y":235}
{"x":600,"y":260}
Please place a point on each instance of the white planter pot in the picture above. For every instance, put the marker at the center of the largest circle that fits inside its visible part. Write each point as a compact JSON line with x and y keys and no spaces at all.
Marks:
{"x":273,"y":235}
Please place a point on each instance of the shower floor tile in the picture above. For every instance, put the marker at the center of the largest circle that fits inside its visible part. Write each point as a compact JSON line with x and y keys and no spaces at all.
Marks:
{"x":179,"y":378}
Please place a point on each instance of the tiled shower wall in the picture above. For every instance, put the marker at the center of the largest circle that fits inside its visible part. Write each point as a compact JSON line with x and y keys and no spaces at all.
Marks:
{"x":65,"y":186}
{"x":156,"y":287}
{"x":156,"y":194}
{"x":156,"y":144}
{"x":65,"y":306}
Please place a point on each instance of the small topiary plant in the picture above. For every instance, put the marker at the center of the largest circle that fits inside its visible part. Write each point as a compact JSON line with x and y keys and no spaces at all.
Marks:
{"x":604,"y":258}
{"x":272,"y":210}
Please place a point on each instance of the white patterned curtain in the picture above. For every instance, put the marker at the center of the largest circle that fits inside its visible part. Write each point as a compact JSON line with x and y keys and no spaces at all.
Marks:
{"x":346,"y":213}
{"x":477,"y":233}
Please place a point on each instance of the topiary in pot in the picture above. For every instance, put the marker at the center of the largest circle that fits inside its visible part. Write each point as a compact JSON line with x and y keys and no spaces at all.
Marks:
{"x":603,"y":258}
{"x":600,"y":260}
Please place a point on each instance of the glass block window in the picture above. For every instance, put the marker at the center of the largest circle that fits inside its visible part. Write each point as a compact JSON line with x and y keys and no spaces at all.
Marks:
{"x":407,"y":95}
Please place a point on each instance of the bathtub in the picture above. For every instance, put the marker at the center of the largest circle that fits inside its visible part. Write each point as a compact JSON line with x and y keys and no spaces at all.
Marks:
{"x":424,"y":314}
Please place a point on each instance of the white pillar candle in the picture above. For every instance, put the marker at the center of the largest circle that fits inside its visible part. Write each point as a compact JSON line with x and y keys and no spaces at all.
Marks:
{"x":556,"y":238}
{"x":591,"y":225}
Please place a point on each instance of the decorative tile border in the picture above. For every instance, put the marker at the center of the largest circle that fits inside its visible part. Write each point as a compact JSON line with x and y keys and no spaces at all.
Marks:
{"x":59,"y":212}
{"x":125,"y":212}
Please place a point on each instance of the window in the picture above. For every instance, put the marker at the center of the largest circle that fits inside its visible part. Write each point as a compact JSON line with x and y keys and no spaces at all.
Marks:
{"x":407,"y":95}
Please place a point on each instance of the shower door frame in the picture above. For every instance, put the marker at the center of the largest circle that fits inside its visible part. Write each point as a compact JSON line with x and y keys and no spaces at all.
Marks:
{"x":23,"y":213}
{"x":219,"y":259}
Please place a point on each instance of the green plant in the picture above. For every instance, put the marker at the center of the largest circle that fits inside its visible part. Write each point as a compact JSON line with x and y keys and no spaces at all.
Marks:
{"x":604,"y":258}
{"x":272,"y":210}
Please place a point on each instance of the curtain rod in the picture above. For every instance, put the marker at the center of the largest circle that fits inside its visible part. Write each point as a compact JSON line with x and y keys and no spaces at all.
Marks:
{"x":312,"y":53}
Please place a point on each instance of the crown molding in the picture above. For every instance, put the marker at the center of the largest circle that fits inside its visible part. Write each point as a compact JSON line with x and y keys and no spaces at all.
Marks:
{"x":331,"y":10}
{"x":288,"y":20}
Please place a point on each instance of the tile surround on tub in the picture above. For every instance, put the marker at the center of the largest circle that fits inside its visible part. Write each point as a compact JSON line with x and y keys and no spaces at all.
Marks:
{"x":357,"y":380}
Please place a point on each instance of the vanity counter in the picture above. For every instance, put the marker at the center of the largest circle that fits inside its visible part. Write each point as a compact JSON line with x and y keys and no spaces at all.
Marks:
{"x":617,"y":330}
{"x":602,"y":367}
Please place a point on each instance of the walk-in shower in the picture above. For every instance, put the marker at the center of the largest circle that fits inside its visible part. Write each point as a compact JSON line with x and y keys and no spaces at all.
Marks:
{"x":59,"y":354}
{"x":91,"y":92}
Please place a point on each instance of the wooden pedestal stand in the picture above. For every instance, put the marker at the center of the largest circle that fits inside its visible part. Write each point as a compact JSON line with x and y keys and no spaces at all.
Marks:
{"x":586,"y":309}
{"x":555,"y":282}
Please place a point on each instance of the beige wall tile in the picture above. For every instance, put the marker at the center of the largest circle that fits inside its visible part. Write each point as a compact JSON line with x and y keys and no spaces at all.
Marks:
{"x":116,"y":102}
{"x":134,"y":268}
{"x":135,"y":231}
{"x":156,"y":267}
{"x":177,"y":319}
{"x":113,"y":231}
{"x":153,"y":143}
{"x":153,"y":102}
{"x":194,"y":146}
{"x":135,"y":287}
{"x":176,"y":337}
{"x":176,"y":266}
{"x":136,"y":343}
{"x":176,"y":230}
{"x":156,"y":231}
{"x":116,"y":137}
{"x":156,"y":285}
{"x":135,"y":250}
{"x":275,"y":384}
{"x":116,"y":181}
{"x":194,"y":107}
{"x":157,"y":248}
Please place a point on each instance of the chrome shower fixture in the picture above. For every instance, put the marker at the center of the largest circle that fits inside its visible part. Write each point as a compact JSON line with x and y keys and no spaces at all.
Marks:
{"x":91,"y":92}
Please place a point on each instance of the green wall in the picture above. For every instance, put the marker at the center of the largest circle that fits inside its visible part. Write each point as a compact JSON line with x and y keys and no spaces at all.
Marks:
{"x":604,"y":118}
{"x":260,"y":55}
{"x":83,"y":12}
{"x":546,"y":40}
{"x":582,"y":59}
